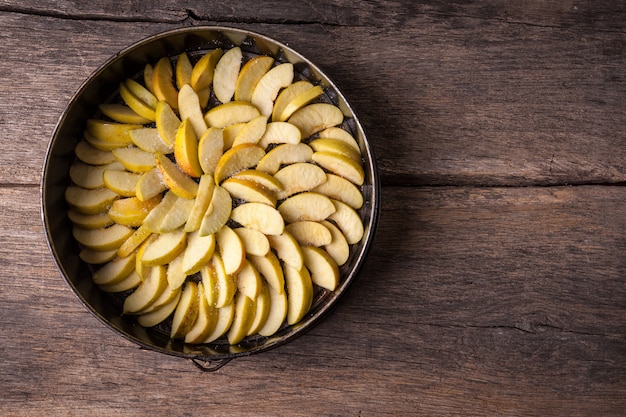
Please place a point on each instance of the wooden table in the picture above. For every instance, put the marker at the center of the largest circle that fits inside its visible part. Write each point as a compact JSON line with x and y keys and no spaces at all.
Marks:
{"x":497,"y":281}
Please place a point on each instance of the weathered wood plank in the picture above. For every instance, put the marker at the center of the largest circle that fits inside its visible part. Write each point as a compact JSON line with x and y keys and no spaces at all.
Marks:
{"x":473,"y":301}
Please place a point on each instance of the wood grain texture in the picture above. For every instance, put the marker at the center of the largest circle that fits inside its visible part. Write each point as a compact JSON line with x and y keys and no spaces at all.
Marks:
{"x":496,"y":282}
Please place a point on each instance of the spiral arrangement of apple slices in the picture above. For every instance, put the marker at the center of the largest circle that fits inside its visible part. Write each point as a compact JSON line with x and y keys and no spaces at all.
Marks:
{"x":217,"y":194}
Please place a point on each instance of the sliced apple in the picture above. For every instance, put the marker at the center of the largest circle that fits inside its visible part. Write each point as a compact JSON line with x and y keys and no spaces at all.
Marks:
{"x":201,"y":203}
{"x":121,"y":182}
{"x":155,"y":217}
{"x":315,"y":117}
{"x":226,"y":74}
{"x":165,"y":248}
{"x":163,"y":82}
{"x":260,"y":177}
{"x":140,"y":107}
{"x":155,"y":317}
{"x":96,"y":257}
{"x":341,"y":189}
{"x":164,"y":299}
{"x":298,"y":177}
{"x":322,"y":267}
{"x":190,"y":108}
{"x":91,"y":176}
{"x":134,"y":241}
{"x":348,"y":221}
{"x":231,"y":249}
{"x":340,"y":134}
{"x":259,"y":216}
{"x":186,"y":150}
{"x":280,"y":132}
{"x":150,"y":184}
{"x":111,"y":132}
{"x":92,"y":156}
{"x":205,"y":322}
{"x":284,"y":154}
{"x":130,"y":282}
{"x":310,"y":233}
{"x":183,"y":70}
{"x":269,"y":85}
{"x":175,"y":275}
{"x":147,"y":292}
{"x":229,"y":134}
{"x":149,"y":140}
{"x":176,"y":216}
{"x":186,"y":311}
{"x":204,"y":70}
{"x":122,"y":114}
{"x":287,"y":248}
{"x":277,"y":314}
{"x":101,"y":144}
{"x":269,"y":267}
{"x":87,"y":201}
{"x":167,"y":123}
{"x":287,"y":95}
{"x":217,"y":213}
{"x":141,"y":94}
{"x":338,"y":248}
{"x":300,"y":101}
{"x":90,"y":221}
{"x":131,"y":211}
{"x":208,"y":274}
{"x":249,"y":191}
{"x":245,"y":308}
{"x":299,"y":293}
{"x":340,"y":165}
{"x":177,"y":181}
{"x":254,"y":242}
{"x":198,"y":252}
{"x":250,"y":74}
{"x":262,"y":303}
{"x":336,"y":146}
{"x":142,"y":269}
{"x":210,"y":149}
{"x":251,"y":131}
{"x":306,"y":206}
{"x":230,"y":113}
{"x":237,"y":159}
{"x":114,"y":271}
{"x":224,"y":320}
{"x":135,"y":159}
{"x":249,"y":280}
{"x":225,"y":284}
{"x":148,"y":72}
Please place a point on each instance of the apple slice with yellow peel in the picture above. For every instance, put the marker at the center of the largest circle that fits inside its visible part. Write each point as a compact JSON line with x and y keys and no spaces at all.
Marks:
{"x":254,"y":242}
{"x":269,"y":267}
{"x":322,"y":267}
{"x":149,"y":140}
{"x":147,"y":292}
{"x":298,"y":177}
{"x":280,"y":132}
{"x":225,"y":284}
{"x":250,"y":74}
{"x":101,"y":144}
{"x":208,"y":274}
{"x":277,"y":314}
{"x":284,"y":154}
{"x":165,"y":248}
{"x":300,"y":101}
{"x":260,"y":177}
{"x":198,"y":252}
{"x":204,"y":70}
{"x":131,"y":211}
{"x":163,"y":82}
{"x":259,"y":216}
{"x":237,"y":159}
{"x":249,"y":280}
{"x":336,"y":146}
{"x":183,"y":70}
{"x":176,"y":216}
{"x":140,"y":107}
{"x":287,"y":95}
{"x":245,"y":308}
{"x":340,"y":134}
{"x":111,"y":132}
{"x":134,"y":241}
{"x":157,"y":316}
{"x":175,"y":275}
{"x":87,"y":201}
{"x":315,"y":117}
{"x":186,"y":311}
{"x":201,"y":203}
{"x":348,"y":221}
{"x":306,"y":206}
{"x":210,"y":149}
{"x":310,"y":233}
{"x":114,"y":271}
{"x":341,"y":189}
{"x":269,"y":85}
{"x":190,"y":108}
{"x":206,"y":320}
{"x":217,"y":213}
{"x":148,"y":72}
{"x":165,"y":298}
{"x":186,"y":150}
{"x":142,"y":269}
{"x":287,"y":248}
{"x":229,"y":134}
{"x":91,"y":176}
{"x":299,"y":293}
{"x":251,"y":131}
{"x":122,"y":114}
{"x":177,"y":181}
{"x":121,"y":182}
{"x":167,"y":123}
{"x":150,"y":184}
{"x":226,"y":74}
{"x":90,"y":221}
{"x":340,"y":165}
{"x":135,"y":159}
{"x":130,"y":282}
{"x":224,"y":320}
{"x":338,"y":248}
{"x":96,"y":257}
{"x":231,"y":249}
{"x":142,"y":93}
{"x":92,"y":156}
{"x":230,"y":113}
{"x":249,"y":191}
{"x":155,"y":217}
{"x":262,"y":303}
